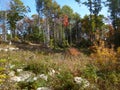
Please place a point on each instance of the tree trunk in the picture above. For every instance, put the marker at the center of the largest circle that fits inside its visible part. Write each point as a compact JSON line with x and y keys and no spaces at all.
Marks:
{"x":47,"y":33}
{"x":70,"y":35}
{"x":4,"y":32}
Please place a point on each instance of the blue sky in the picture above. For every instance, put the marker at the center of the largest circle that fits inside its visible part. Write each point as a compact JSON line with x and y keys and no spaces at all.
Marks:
{"x":74,"y":5}
{"x":82,"y":10}
{"x":4,"y":4}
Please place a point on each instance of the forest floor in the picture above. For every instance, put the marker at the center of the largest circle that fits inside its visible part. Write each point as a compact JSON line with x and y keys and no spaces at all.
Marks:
{"x":63,"y":69}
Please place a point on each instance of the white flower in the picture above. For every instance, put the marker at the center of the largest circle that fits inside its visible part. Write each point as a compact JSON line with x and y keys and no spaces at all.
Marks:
{"x":81,"y":81}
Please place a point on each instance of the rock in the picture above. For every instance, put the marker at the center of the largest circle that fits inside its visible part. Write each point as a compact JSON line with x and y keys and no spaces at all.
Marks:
{"x":86,"y":83}
{"x":81,"y":81}
{"x":1,"y":49}
{"x":35,"y":78}
{"x":12,"y":49}
{"x":78,"y":80}
{"x":11,"y":66}
{"x":43,"y":76}
{"x":23,"y":76}
{"x":43,"y":88}
{"x":51,"y":72}
{"x":5,"y":49}
{"x":17,"y":48}
{"x":10,"y":43}
{"x":16,"y":79}
{"x":11,"y":73}
{"x":9,"y":49}
{"x":19,"y":70}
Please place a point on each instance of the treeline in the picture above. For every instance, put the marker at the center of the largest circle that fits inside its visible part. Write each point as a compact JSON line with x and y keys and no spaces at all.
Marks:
{"x":57,"y":26}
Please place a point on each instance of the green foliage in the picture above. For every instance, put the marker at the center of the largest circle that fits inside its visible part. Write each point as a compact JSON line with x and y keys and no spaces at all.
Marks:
{"x":84,"y":43}
{"x":66,"y":10}
{"x":47,"y":7}
{"x":3,"y":75}
{"x":8,"y":37}
{"x":76,"y":17}
{"x":101,"y":76}
{"x":86,"y":23}
{"x":65,"y":43}
{"x":52,"y":43}
{"x":32,"y":84}
{"x":63,"y":81}
{"x":116,"y":39}
{"x":16,"y":12}
{"x":90,"y":72}
{"x":110,"y":79}
{"x":114,"y":6}
{"x":118,"y":52}
{"x":26,"y":85}
{"x":77,"y":0}
{"x":98,"y":77}
{"x":36,"y":36}
{"x":40,"y":83}
{"x":37,"y":67}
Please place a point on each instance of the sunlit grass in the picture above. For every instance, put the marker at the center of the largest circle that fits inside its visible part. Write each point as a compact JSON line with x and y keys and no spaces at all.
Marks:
{"x":101,"y":68}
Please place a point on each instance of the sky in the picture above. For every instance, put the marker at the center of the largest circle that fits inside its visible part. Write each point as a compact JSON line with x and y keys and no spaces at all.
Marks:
{"x":82,"y":10}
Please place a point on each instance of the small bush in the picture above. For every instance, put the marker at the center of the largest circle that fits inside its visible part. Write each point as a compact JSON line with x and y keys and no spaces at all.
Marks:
{"x":37,"y":67}
{"x":63,"y":81}
{"x":32,"y":84}
{"x":3,"y":75}
{"x":104,"y":56}
{"x":90,"y":72}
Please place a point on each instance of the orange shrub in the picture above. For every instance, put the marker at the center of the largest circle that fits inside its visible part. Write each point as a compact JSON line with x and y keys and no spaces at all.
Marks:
{"x":72,"y":51}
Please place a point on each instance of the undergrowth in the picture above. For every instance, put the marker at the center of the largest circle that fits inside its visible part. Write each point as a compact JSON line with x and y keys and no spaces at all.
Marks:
{"x":101,"y":69}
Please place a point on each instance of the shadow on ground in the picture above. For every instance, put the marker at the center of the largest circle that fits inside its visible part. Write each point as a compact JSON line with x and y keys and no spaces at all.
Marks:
{"x":36,"y":47}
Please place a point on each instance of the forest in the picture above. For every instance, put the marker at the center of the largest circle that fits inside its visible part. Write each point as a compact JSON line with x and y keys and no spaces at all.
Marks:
{"x":57,"y":49}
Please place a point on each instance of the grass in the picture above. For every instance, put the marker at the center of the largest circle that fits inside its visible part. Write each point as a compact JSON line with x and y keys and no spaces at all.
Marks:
{"x":103,"y":73}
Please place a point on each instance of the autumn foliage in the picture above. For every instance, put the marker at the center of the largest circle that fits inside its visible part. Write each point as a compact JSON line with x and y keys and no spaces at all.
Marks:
{"x":65,"y":21}
{"x":72,"y":52}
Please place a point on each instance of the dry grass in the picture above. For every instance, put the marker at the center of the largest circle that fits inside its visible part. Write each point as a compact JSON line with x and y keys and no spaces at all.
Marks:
{"x":73,"y":61}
